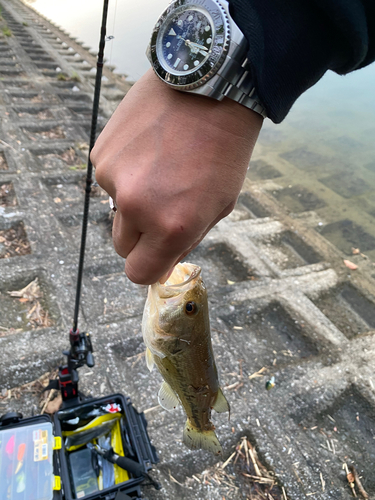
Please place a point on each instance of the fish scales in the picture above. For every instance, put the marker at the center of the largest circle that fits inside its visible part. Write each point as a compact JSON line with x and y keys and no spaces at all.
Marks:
{"x":176,"y":332}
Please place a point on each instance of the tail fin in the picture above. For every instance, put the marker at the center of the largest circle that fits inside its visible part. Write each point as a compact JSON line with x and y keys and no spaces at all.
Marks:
{"x":195,"y":439}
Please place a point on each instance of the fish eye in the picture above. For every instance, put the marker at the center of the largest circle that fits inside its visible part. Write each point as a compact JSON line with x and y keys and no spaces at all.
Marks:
{"x":191,"y":308}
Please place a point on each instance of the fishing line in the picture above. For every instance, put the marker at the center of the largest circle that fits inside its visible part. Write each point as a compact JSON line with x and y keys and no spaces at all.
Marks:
{"x":94,"y":120}
{"x":113,"y":33}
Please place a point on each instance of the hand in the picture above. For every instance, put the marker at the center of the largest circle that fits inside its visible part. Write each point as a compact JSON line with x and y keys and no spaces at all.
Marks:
{"x":174,"y":163}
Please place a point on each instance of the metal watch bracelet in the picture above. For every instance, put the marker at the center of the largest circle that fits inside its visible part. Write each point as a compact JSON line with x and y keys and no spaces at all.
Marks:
{"x":239,"y":86}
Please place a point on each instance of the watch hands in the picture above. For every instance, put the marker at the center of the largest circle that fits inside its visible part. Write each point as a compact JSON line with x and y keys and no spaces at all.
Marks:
{"x":194,"y":45}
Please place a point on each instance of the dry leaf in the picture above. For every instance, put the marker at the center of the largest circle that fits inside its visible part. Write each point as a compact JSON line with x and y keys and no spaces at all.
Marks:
{"x":30,"y":292}
{"x":54,"y":405}
{"x":350,"y":265}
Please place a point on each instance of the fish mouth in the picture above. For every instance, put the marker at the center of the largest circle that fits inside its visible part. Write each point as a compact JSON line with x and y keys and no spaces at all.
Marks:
{"x":179,"y":281}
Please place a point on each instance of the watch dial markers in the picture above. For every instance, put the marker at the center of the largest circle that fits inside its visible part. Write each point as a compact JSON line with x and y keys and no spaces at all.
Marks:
{"x":186,"y":41}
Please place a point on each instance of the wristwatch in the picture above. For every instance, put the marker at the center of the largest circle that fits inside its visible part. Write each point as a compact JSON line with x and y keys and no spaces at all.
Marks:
{"x":197,"y":47}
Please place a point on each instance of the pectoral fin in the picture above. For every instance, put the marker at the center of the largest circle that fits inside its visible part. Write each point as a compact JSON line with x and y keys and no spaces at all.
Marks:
{"x":149,"y":359}
{"x":221,"y":404}
{"x":201,"y":440}
{"x":167,"y":398}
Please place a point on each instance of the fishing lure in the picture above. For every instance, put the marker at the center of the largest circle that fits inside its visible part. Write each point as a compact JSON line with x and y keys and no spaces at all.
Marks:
{"x":20,"y":455}
{"x":270,"y":384}
{"x":9,"y":448}
{"x":21,"y":482}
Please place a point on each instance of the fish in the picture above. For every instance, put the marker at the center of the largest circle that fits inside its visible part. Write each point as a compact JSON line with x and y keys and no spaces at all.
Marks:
{"x":176,"y":332}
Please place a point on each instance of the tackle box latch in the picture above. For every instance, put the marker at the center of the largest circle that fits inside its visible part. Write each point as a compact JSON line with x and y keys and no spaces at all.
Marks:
{"x":56,"y":483}
{"x":57,"y":443}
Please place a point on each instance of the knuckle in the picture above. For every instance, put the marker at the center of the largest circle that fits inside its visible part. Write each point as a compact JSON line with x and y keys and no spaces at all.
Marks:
{"x":100,"y":173}
{"x":93,"y":156}
{"x":126,"y":202}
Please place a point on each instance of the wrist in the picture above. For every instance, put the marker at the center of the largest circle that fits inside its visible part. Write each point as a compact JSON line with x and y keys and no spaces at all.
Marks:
{"x":228,"y":115}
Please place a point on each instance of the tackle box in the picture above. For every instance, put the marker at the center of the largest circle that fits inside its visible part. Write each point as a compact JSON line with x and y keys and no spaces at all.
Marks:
{"x":36,"y":462}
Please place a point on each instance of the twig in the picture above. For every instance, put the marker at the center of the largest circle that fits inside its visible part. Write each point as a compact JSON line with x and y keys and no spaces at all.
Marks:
{"x":6,"y":144}
{"x":150,"y":409}
{"x":51,"y":393}
{"x":258,"y":373}
{"x":256,"y":468}
{"x":216,"y":330}
{"x":322,"y":481}
{"x":358,"y":482}
{"x":350,"y":478}
{"x":247,"y":452}
{"x":284,"y":494}
{"x":227,"y":461}
{"x":259,"y":479}
{"x":175,"y":480}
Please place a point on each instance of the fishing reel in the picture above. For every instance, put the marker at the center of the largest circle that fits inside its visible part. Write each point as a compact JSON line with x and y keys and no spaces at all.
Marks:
{"x":79,"y":354}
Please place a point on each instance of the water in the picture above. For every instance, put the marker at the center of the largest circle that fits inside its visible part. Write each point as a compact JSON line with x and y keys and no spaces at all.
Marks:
{"x":129,"y":21}
{"x":324,"y":151}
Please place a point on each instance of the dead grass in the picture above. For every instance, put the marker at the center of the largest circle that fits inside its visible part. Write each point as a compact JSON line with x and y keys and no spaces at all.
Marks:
{"x":48,"y":401}
{"x":14,"y":242}
{"x":7,"y":195}
{"x":242,"y":476}
{"x":52,"y":133}
{"x":31,"y":294}
{"x":3,"y":163}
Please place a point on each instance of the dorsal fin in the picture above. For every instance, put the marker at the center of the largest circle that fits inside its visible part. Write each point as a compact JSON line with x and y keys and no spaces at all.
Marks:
{"x":167,"y":398}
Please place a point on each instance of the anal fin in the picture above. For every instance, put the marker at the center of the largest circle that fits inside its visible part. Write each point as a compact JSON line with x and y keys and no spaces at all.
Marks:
{"x":196,"y":439}
{"x":167,"y":398}
{"x":221,"y":404}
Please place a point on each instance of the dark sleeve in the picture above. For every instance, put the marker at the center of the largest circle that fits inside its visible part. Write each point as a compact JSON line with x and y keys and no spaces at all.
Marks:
{"x":292,"y":43}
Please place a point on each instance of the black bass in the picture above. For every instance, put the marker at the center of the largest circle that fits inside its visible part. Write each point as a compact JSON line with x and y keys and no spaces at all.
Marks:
{"x":176,"y":331}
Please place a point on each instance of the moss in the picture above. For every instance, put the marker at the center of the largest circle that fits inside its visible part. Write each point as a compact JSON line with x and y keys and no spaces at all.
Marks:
{"x":75,"y":77}
{"x":82,"y":166}
{"x":6,"y":31}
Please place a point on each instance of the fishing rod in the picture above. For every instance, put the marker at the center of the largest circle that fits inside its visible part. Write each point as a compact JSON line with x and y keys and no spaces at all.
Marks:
{"x":80,"y":352}
{"x":94,"y":120}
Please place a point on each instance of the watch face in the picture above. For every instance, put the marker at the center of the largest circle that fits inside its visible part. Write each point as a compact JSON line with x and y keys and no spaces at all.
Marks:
{"x":189,"y":42}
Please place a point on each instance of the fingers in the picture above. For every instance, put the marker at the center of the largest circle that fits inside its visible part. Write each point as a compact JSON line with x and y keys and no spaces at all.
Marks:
{"x":189,"y":247}
{"x":125,"y":234}
{"x":223,"y":214}
{"x":150,"y":259}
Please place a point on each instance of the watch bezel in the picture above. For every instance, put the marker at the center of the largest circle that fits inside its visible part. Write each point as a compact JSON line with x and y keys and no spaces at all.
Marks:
{"x":220,"y":46}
